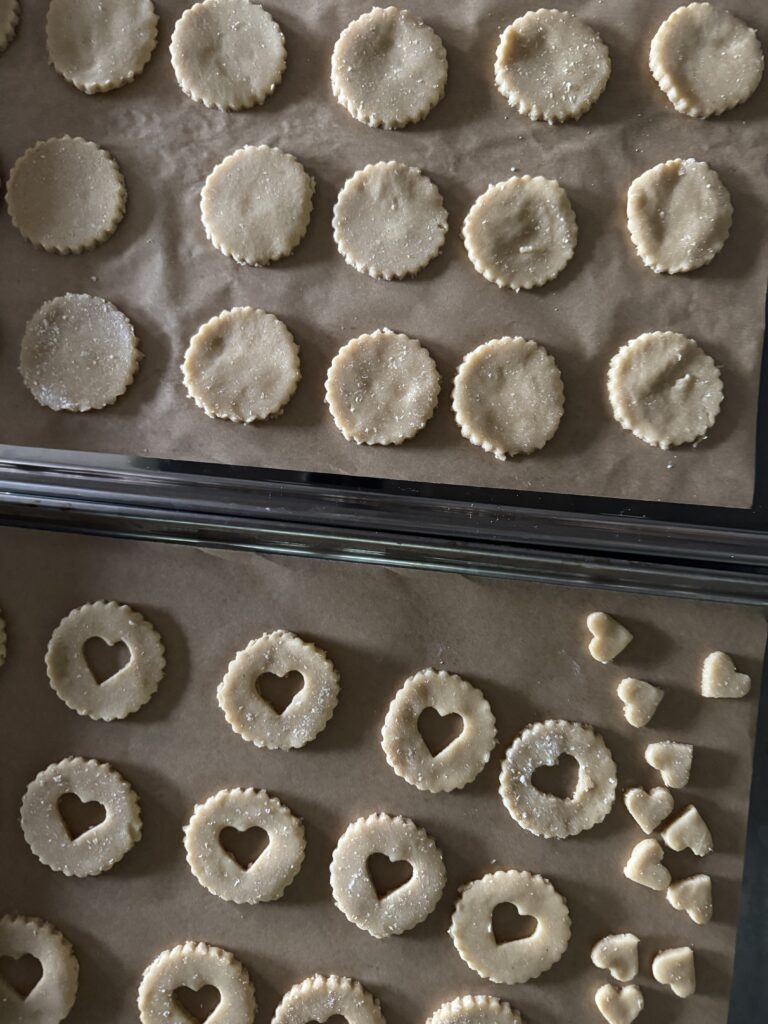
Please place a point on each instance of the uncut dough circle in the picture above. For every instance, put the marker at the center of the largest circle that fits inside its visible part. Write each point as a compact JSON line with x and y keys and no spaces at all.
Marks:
{"x":256,"y":205}
{"x":309,"y":712}
{"x":389,"y":220}
{"x":543,"y":814}
{"x":228,"y":54}
{"x":79,"y":353}
{"x":9,"y":19}
{"x":664,"y":389}
{"x":271,"y":873}
{"x":353,"y":890}
{"x":521,"y":233}
{"x":54,"y":994}
{"x":705,"y":60}
{"x":551,"y":66}
{"x":508,"y":396}
{"x":319,"y":998}
{"x":679,"y":215}
{"x":388,"y":68}
{"x":242,"y":365}
{"x":382,"y":388}
{"x":460,"y":761}
{"x":520,"y":960}
{"x":100,"y":45}
{"x":475,"y":1010}
{"x":99,"y":848}
{"x":195,"y":965}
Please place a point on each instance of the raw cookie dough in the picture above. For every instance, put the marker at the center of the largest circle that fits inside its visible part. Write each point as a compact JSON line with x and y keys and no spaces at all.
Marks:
{"x":9,"y":19}
{"x":508,"y":397}
{"x":719,"y":677}
{"x":688,"y":832}
{"x":256,"y":205}
{"x":618,"y":955}
{"x":98,"y":848}
{"x":645,"y":866}
{"x":673,"y":760}
{"x":388,"y":68}
{"x":675,"y":967}
{"x":475,"y":1010}
{"x":551,"y":65}
{"x":99,"y":45}
{"x":319,"y":998}
{"x":195,"y":965}
{"x":649,"y":809}
{"x":640,"y":700}
{"x":309,"y":712}
{"x":271,"y":873}
{"x":609,"y":637}
{"x":382,"y":388}
{"x":354,"y":892}
{"x":705,"y":60}
{"x":619,"y":1005}
{"x":664,"y":389}
{"x":389,"y":220}
{"x":242,"y":365}
{"x":228,"y":54}
{"x":510,"y":963}
{"x":54,"y":994}
{"x":78,"y":353}
{"x":462,"y":760}
{"x":521,"y":233}
{"x":694,"y":896}
{"x":66,"y":195}
{"x":543,"y":814}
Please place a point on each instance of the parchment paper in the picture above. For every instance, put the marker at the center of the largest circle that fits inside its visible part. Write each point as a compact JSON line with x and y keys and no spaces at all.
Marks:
{"x":524,"y":645}
{"x":160,"y":269}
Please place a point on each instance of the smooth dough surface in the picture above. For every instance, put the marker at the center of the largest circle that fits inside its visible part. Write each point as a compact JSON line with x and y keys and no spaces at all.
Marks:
{"x":645,"y":866}
{"x":609,"y":637}
{"x":54,"y":994}
{"x":321,"y":997}
{"x":9,"y":19}
{"x":719,"y":678}
{"x":475,"y":1010}
{"x":694,"y":896}
{"x":619,"y":1005}
{"x":617,"y":954}
{"x":676,"y":968}
{"x":649,"y":808}
{"x":689,"y":831}
{"x":673,"y":760}
{"x":640,"y":699}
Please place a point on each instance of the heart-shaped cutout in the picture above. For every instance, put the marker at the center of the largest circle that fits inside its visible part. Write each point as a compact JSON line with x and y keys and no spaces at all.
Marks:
{"x":649,"y":809}
{"x":672,"y":760}
{"x":689,"y":832}
{"x":439,"y":731}
{"x":387,"y":875}
{"x":619,"y":1005}
{"x":105,"y":659}
{"x":609,"y":637}
{"x":559,"y":779}
{"x":719,"y":677}
{"x":199,"y":1003}
{"x":79,"y":817}
{"x":335,"y":1019}
{"x":676,"y":968}
{"x":21,"y":973}
{"x":694,"y":896}
{"x":509,"y":925}
{"x":645,"y":866}
{"x":617,"y":954}
{"x":640,"y":700}
{"x":279,"y":691}
{"x":244,"y":847}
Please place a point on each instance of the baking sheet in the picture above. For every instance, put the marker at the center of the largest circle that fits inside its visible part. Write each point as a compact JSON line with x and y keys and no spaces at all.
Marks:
{"x":524,"y":645}
{"x":160,"y":269}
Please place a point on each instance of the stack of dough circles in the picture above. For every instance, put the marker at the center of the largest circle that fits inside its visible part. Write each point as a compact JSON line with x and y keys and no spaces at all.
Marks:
{"x":679,"y":215}
{"x":271,"y":873}
{"x":228,"y":54}
{"x":321,"y":997}
{"x":475,"y":1010}
{"x":54,"y":994}
{"x":389,"y":220}
{"x":242,"y":365}
{"x":309,"y":712}
{"x":256,"y":205}
{"x":388,"y":68}
{"x":195,"y":965}
{"x":78,"y":353}
{"x":126,"y":690}
{"x":664,"y":389}
{"x":382,"y":388}
{"x":354,"y":893}
{"x":100,"y":45}
{"x":97,"y":849}
{"x":544,"y":814}
{"x":551,"y":66}
{"x":66,"y":195}
{"x":521,"y":960}
{"x":9,"y":19}
{"x":521,"y":233}
{"x":706,"y":60}
{"x":508,"y":397}
{"x":460,"y":761}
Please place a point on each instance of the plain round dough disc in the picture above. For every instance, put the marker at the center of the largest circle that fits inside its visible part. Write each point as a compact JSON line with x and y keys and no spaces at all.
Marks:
{"x":9,"y":19}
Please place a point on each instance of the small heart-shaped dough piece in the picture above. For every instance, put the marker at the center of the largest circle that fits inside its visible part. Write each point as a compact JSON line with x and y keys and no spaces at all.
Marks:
{"x":675,"y":967}
{"x":640,"y":700}
{"x":694,"y":896}
{"x":649,"y":809}
{"x":609,"y":637}
{"x":619,"y":1005}
{"x":688,"y":832}
{"x":673,"y":760}
{"x":719,"y":677}
{"x":645,"y":866}
{"x":617,"y":954}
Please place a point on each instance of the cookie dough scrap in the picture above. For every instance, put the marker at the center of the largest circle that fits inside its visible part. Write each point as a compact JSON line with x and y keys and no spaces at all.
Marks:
{"x":54,"y":994}
{"x":645,"y":866}
{"x":694,"y":896}
{"x":689,"y":832}
{"x":242,"y":365}
{"x":617,"y":954}
{"x":706,"y":60}
{"x":640,"y":700}
{"x":719,"y":678}
{"x":475,"y":1010}
{"x":66,"y":195}
{"x":676,"y":968}
{"x":321,"y":997}
{"x":9,"y":19}
{"x":609,"y":637}
{"x":649,"y":808}
{"x":673,"y":760}
{"x":619,"y":1005}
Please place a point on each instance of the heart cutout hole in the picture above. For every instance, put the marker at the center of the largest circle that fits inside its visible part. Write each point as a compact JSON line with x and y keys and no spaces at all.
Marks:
{"x":279,"y":691}
{"x":21,"y":973}
{"x":244,"y":847}
{"x":439,"y":731}
{"x":104,"y":659}
{"x":335,"y":1019}
{"x":509,"y":925}
{"x":387,"y":875}
{"x":79,"y":817}
{"x":558,"y":779}
{"x":197,"y":1004}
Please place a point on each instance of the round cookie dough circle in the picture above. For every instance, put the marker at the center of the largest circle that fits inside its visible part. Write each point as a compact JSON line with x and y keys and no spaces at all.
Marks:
{"x":706,"y":60}
{"x":97,"y":849}
{"x":551,"y":66}
{"x":475,"y":1010}
{"x":462,"y":760}
{"x":389,"y":220}
{"x":54,"y":995}
{"x":242,"y":365}
{"x":256,"y":205}
{"x":543,"y":814}
{"x":228,"y":54}
{"x":9,"y":19}
{"x":100,"y":45}
{"x":520,"y":960}
{"x":521,"y":233}
{"x":66,"y":195}
{"x":354,"y":893}
{"x":388,"y":68}
{"x":664,"y":389}
{"x":319,"y":998}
